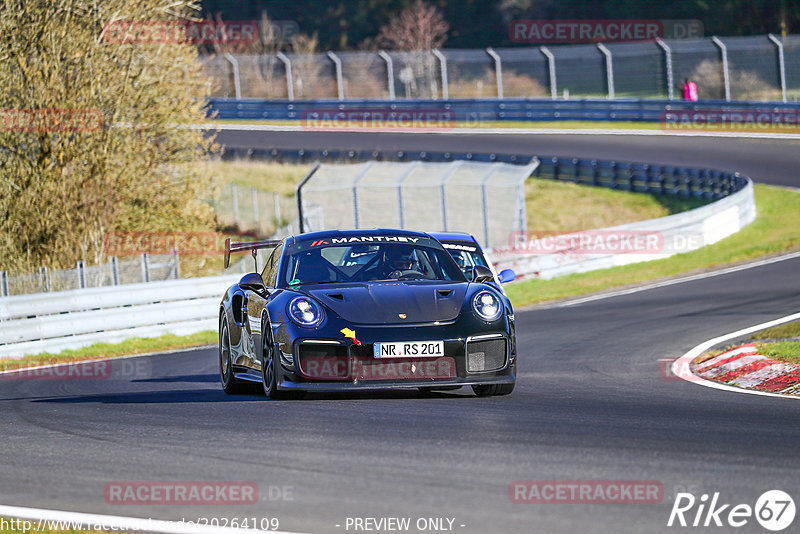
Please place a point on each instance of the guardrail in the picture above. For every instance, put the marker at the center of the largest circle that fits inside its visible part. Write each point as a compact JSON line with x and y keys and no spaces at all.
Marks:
{"x":475,"y":111}
{"x":673,"y":234}
{"x":30,"y":324}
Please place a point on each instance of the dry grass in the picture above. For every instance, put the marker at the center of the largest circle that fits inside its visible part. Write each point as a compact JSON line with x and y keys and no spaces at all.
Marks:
{"x":279,"y":178}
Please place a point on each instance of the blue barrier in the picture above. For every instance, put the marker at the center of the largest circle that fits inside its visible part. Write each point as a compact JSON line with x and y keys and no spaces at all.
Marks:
{"x":507,"y":109}
{"x":625,"y":176}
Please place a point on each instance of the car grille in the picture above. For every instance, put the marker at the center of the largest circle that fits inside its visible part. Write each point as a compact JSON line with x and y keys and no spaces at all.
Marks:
{"x":323,"y":362}
{"x":486,"y":355}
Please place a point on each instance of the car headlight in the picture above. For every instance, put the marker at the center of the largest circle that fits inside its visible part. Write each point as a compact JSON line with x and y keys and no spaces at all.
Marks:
{"x":487,"y":305}
{"x":304,"y":311}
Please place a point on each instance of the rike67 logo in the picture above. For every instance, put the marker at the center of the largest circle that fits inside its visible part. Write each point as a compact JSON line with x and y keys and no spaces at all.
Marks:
{"x":774,"y":510}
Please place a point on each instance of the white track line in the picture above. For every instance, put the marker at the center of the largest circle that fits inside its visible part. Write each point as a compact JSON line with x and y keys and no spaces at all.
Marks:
{"x":113,"y":522}
{"x":670,"y":282}
{"x":685,"y":360}
{"x":495,"y":131}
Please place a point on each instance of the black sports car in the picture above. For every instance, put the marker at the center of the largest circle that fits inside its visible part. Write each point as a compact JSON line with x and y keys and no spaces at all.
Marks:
{"x":364,"y":309}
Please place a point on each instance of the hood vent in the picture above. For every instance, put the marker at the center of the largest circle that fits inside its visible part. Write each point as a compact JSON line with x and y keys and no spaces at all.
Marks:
{"x":337,"y":296}
{"x":444,"y":292}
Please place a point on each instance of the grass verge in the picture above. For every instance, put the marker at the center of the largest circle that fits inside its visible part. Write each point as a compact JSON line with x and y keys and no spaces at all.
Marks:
{"x":109,"y":350}
{"x":780,"y":343}
{"x":775,"y":230}
{"x":786,"y":351}
{"x":268,"y":176}
{"x":592,"y":207}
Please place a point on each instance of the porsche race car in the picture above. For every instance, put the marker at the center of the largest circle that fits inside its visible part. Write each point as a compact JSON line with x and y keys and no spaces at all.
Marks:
{"x":364,"y":309}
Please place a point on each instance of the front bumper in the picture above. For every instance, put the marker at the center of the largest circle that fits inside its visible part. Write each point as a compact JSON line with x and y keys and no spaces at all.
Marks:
{"x":325,"y":364}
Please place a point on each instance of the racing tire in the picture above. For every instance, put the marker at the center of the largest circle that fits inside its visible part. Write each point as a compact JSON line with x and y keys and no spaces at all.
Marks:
{"x":229,"y":383}
{"x":492,"y":390}
{"x":269,"y":377}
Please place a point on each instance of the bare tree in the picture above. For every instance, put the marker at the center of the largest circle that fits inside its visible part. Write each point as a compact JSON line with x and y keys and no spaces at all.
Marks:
{"x":306,"y":68}
{"x":420,"y":26}
{"x":416,"y":30}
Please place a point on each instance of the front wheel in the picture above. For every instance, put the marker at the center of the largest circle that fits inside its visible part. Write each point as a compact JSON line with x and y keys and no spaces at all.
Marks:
{"x":269,"y":374}
{"x":491,"y":390}
{"x":229,"y":383}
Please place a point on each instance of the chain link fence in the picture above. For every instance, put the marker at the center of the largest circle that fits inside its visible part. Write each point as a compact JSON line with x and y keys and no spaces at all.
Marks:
{"x":144,"y":268}
{"x":254,"y":210}
{"x":483,"y":199}
{"x":758,"y":68}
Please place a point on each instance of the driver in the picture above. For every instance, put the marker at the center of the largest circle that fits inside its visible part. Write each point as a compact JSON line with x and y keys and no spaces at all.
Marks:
{"x":399,"y":259}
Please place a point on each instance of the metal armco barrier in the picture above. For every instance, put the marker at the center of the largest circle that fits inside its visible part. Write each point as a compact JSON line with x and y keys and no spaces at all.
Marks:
{"x":474,"y":112}
{"x":51,"y":322}
{"x":673,"y":234}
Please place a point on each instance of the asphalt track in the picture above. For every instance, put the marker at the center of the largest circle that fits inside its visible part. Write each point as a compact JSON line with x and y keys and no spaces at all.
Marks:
{"x":590,"y":404}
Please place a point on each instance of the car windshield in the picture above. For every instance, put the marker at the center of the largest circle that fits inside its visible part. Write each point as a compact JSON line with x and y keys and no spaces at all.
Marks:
{"x":316,"y":262}
{"x":466,"y":256}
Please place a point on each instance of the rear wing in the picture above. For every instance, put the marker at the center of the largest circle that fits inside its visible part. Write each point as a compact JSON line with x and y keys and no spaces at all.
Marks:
{"x":252,"y":246}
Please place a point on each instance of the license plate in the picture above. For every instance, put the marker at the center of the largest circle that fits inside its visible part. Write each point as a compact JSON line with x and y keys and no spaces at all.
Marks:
{"x":409,"y":349}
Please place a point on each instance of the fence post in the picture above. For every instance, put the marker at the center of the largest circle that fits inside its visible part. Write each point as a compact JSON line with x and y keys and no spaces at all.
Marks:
{"x":287,"y":65}
{"x":609,"y":69}
{"x":725,"y":75}
{"x":400,"y":181}
{"x":298,"y":193}
{"x":237,"y":86}
{"x":389,"y":72}
{"x":551,"y":69}
{"x":357,"y":178}
{"x":45,"y":279}
{"x":443,"y":68}
{"x":781,"y":64}
{"x":452,"y":168}
{"x":81,"y":275}
{"x":498,"y":70}
{"x":235,"y":195}
{"x":337,"y":64}
{"x":114,"y":271}
{"x":484,"y":205}
{"x":145,"y":268}
{"x":668,"y":62}
{"x":276,"y":198}
{"x":3,"y":283}
{"x":176,"y":264}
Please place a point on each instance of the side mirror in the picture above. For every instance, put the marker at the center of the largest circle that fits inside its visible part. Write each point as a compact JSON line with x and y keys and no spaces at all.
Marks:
{"x":506,"y":275}
{"x":252,"y":282}
{"x":481,"y":274}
